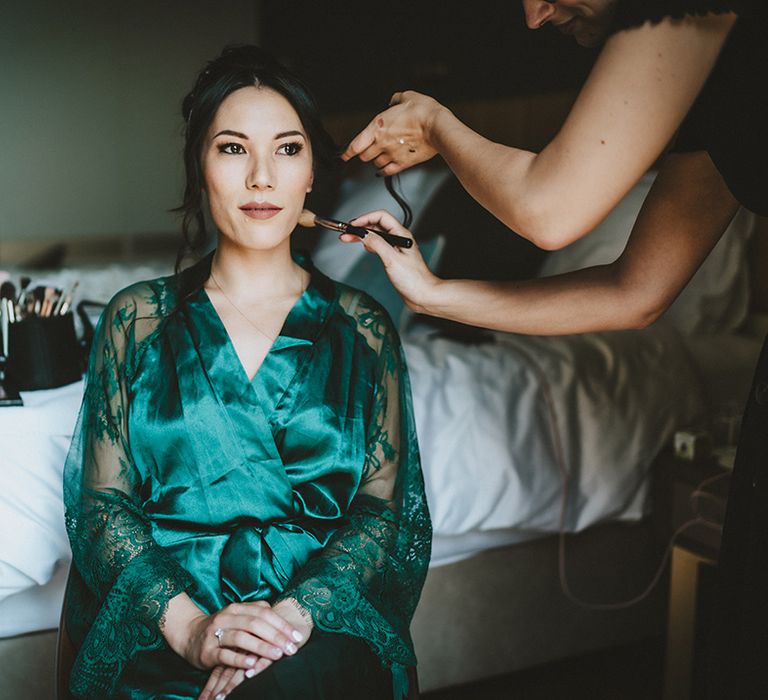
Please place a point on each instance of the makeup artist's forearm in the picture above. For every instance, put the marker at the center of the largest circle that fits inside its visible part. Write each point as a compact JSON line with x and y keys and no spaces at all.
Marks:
{"x":588,"y":300}
{"x":478,"y":163}
{"x":685,"y":213}
{"x":551,"y":198}
{"x":633,"y":101}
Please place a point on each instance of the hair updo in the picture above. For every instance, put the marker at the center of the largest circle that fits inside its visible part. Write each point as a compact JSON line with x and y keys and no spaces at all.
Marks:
{"x":237,"y":67}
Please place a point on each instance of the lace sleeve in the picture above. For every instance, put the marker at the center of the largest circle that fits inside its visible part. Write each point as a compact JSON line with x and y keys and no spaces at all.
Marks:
{"x":121,"y":579}
{"x":368,"y":579}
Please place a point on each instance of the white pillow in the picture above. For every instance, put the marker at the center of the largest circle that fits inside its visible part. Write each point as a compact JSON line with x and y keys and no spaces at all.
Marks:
{"x":351,"y":264}
{"x":716,"y":299}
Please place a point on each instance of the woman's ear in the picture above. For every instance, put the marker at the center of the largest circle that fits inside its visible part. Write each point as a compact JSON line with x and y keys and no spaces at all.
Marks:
{"x":311,"y":182}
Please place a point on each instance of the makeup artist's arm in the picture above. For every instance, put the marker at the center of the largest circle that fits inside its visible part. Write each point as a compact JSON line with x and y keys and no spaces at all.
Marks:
{"x":637,"y":94}
{"x":685,"y":213}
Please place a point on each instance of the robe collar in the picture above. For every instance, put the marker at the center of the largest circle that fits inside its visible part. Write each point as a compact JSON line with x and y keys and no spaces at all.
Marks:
{"x":288,"y":354}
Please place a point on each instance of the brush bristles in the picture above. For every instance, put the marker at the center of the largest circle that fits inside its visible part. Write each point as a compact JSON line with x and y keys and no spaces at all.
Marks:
{"x":307,"y":218}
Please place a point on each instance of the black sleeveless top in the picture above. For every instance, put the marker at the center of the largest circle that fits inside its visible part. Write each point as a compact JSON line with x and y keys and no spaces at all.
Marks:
{"x":729,"y":119}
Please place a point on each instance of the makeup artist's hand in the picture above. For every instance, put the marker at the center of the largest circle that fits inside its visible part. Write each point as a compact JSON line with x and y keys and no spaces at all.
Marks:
{"x":400,"y":136}
{"x":405,"y":267}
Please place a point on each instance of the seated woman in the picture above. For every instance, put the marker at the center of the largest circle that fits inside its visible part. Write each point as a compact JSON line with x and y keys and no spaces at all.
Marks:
{"x":243,"y":495}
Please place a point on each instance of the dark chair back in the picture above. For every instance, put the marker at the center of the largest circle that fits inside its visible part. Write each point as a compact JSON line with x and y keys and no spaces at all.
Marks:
{"x":413,"y":684}
{"x":65,"y":652}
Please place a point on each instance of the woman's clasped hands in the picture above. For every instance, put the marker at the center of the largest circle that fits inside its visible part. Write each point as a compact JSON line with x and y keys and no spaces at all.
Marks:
{"x":241,"y":640}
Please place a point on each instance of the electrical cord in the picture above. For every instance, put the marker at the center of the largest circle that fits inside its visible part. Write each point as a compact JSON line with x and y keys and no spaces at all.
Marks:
{"x":697,"y":494}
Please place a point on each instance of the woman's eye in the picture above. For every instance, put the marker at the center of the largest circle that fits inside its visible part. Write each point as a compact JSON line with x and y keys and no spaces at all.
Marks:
{"x":290,"y":149}
{"x":231,"y":148}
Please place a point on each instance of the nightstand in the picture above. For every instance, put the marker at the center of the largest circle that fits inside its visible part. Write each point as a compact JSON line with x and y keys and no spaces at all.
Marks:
{"x":692,"y":575}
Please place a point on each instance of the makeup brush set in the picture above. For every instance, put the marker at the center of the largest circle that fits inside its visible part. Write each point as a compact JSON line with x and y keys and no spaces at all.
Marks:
{"x":40,"y":349}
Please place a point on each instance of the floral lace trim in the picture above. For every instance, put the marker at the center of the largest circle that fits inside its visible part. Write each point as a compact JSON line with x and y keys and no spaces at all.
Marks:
{"x":339,"y":606}
{"x":129,"y":621}
{"x":367,"y":581}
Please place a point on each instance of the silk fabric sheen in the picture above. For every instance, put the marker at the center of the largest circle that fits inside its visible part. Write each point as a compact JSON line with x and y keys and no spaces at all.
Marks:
{"x":186,"y":475}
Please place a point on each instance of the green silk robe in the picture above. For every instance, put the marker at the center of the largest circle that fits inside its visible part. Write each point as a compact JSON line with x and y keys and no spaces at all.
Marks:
{"x":183,"y":475}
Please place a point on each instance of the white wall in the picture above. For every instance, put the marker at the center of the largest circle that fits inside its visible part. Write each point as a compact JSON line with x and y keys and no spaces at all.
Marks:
{"x":90,"y":95}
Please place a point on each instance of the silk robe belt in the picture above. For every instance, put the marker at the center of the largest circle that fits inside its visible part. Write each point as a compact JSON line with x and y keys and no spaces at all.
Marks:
{"x":257,"y":562}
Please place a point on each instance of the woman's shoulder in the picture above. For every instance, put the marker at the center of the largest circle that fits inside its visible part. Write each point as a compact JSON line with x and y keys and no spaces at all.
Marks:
{"x":146,"y":298}
{"x":356,"y":302}
{"x":368,"y":315}
{"x":137,"y":313}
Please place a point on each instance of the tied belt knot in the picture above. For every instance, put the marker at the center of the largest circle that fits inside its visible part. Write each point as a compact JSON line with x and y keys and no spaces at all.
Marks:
{"x":258,"y":560}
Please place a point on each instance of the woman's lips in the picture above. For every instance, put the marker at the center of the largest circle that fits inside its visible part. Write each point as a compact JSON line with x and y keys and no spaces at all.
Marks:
{"x":260,"y":210}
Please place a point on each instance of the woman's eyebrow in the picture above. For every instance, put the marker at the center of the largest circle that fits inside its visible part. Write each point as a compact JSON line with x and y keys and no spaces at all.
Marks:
{"x":283,"y":134}
{"x":229,"y":132}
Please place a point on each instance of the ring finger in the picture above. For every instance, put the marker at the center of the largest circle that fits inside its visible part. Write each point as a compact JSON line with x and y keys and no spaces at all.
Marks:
{"x":248,"y":642}
{"x":245,"y":632}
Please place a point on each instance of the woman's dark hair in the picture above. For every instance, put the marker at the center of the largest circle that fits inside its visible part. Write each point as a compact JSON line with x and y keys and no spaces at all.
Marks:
{"x":237,"y":67}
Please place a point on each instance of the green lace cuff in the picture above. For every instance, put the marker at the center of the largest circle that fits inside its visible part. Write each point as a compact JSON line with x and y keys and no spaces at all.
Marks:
{"x":129,"y":621}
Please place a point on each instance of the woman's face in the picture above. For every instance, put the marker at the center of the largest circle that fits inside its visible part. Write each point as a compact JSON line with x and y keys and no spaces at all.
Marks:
{"x":586,"y":20}
{"x":257,"y":168}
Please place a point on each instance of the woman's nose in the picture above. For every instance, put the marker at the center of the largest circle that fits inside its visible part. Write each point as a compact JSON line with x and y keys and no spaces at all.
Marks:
{"x":261,"y":175}
{"x":537,"y":12}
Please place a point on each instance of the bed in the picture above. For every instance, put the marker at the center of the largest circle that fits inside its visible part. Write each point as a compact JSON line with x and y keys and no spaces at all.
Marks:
{"x":528,"y":444}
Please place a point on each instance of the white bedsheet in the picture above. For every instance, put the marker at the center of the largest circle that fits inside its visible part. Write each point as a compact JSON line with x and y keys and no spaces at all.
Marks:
{"x":489,"y":418}
{"x":486,"y":439}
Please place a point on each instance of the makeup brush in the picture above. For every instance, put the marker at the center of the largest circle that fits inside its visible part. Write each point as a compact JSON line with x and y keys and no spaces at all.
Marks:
{"x":309,"y":219}
{"x":65,"y":302}
{"x":7,"y":295}
{"x":9,"y":395}
{"x":38,"y":297}
{"x":23,"y":290}
{"x":21,"y":299}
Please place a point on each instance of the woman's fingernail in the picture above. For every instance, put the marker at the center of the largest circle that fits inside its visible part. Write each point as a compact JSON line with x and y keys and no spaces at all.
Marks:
{"x":277,"y":652}
{"x":250,"y":673}
{"x":220,"y":696}
{"x":298,"y":636}
{"x":290,"y":648}
{"x":250,"y":661}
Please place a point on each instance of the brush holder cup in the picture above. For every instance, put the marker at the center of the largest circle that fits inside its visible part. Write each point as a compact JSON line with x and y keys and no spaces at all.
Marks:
{"x":44,"y":353}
